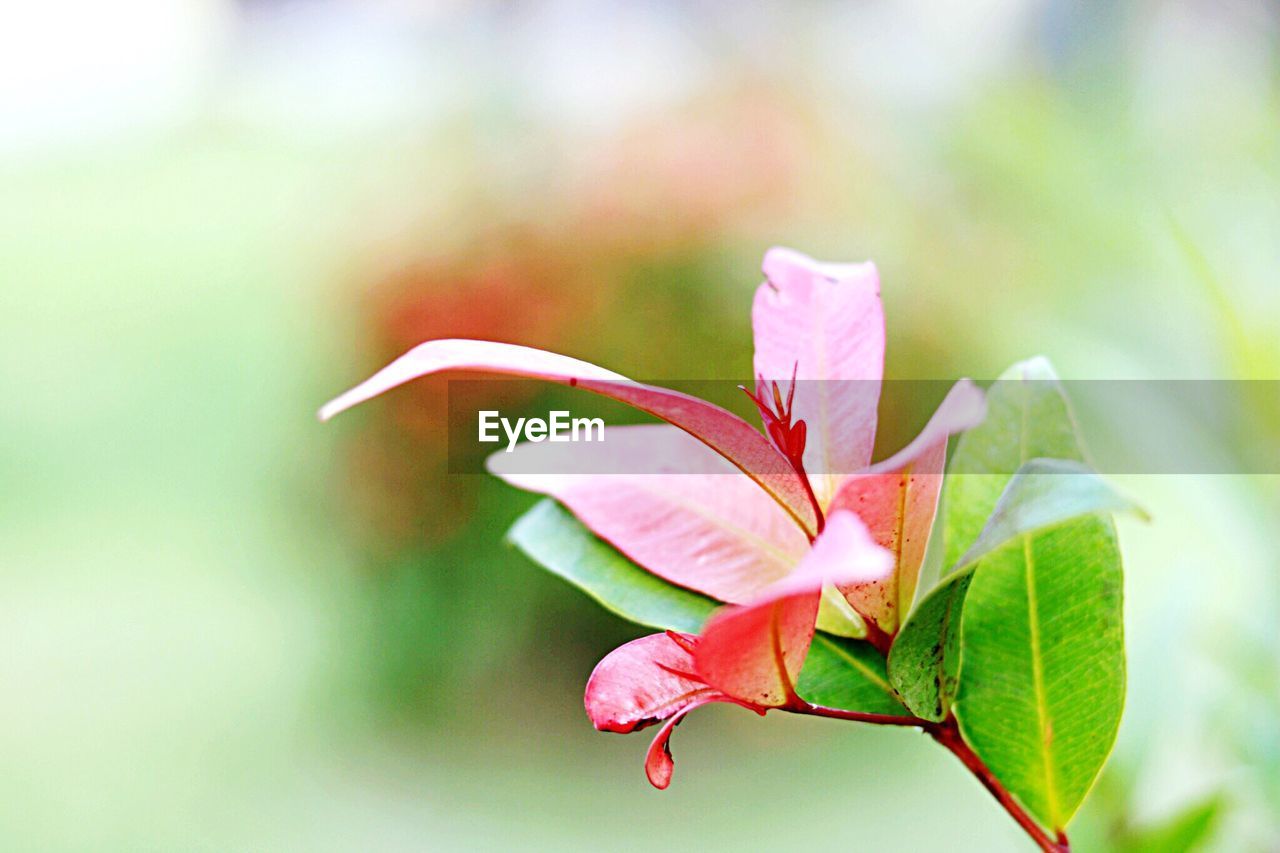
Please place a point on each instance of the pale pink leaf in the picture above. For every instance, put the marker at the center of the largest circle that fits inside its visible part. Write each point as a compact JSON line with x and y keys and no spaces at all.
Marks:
{"x":673,"y":506}
{"x":720,"y":429}
{"x":825,"y":323}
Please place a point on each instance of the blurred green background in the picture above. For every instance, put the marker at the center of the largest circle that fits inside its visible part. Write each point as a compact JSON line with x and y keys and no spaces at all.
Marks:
{"x":227,"y":627}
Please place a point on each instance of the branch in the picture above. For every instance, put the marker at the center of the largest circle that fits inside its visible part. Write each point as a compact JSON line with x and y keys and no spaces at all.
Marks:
{"x":947,"y":734}
{"x":858,"y":716}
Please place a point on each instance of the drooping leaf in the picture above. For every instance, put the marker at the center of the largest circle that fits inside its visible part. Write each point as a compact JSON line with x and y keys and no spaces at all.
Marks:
{"x":640,"y":683}
{"x":699,"y":523}
{"x":648,"y":681}
{"x":550,"y":536}
{"x":1028,"y":417}
{"x":925,"y":661}
{"x":838,"y":672}
{"x":658,"y":762}
{"x":721,"y":430}
{"x":824,"y":324}
{"x":1041,"y":678}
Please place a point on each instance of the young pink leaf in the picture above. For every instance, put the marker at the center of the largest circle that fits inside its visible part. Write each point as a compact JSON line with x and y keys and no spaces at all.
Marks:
{"x":897,"y":500}
{"x":674,"y":507}
{"x":824,"y":323}
{"x":721,"y":430}
{"x":644,"y":682}
{"x":754,"y":653}
{"x":647,"y":681}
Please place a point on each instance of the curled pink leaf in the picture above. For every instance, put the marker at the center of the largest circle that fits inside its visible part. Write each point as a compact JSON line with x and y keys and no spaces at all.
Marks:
{"x":644,"y":682}
{"x":658,"y":762}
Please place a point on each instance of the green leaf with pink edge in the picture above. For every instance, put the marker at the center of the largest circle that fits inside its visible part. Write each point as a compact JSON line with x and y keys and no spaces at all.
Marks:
{"x":839,"y":672}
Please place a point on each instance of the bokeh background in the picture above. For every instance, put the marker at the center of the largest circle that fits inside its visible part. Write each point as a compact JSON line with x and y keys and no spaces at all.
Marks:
{"x":225,"y":627}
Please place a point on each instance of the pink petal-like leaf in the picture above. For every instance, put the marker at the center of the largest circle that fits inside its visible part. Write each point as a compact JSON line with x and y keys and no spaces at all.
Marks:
{"x":701,"y":524}
{"x":645,"y":682}
{"x":721,"y":430}
{"x":897,"y":500}
{"x":754,"y":653}
{"x":824,"y":322}
{"x":641,"y":683}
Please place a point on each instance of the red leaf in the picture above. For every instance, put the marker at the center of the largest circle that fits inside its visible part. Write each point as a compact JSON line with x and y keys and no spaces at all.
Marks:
{"x":644,"y":682}
{"x":754,"y":653}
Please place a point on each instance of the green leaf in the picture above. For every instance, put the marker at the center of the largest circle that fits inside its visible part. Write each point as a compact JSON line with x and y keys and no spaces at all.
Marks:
{"x":925,"y":661}
{"x":552,"y":537}
{"x":1042,"y":656}
{"x":848,"y":674}
{"x":1041,"y":681}
{"x":1043,"y":493}
{"x":1028,"y":417}
{"x":839,"y":672}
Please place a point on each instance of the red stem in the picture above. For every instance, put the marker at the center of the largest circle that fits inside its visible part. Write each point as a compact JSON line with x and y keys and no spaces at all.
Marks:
{"x":813,"y":498}
{"x":856,"y":716}
{"x":947,"y":734}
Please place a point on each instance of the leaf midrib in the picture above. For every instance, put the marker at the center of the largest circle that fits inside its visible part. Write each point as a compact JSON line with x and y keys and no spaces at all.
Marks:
{"x":1033,"y":624}
{"x":786,"y":561}
{"x":1037,"y":675}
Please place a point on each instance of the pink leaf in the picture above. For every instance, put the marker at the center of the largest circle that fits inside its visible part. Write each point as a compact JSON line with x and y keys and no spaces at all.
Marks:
{"x":673,"y":506}
{"x":897,"y":500}
{"x":721,"y":430}
{"x":754,"y":653}
{"x":643,"y":682}
{"x":658,"y":763}
{"x":824,"y":322}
